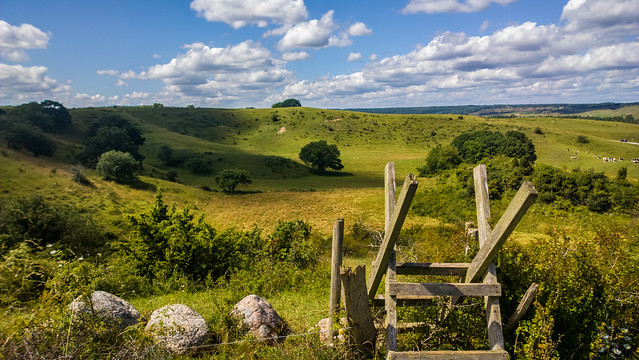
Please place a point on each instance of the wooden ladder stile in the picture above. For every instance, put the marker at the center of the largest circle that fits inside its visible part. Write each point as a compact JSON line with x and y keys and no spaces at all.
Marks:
{"x":479,"y":276}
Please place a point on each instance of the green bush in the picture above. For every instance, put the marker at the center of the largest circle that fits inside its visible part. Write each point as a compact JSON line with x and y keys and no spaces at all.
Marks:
{"x":41,"y":224}
{"x":587,"y":283}
{"x":440,"y":158}
{"x":167,"y":241}
{"x":117,"y":166}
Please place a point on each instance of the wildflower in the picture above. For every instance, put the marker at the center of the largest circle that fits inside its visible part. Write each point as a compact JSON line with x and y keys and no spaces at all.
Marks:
{"x":52,"y":252}
{"x":624,"y":330}
{"x":49,"y":245}
{"x":627,"y":338}
{"x":627,"y":346}
{"x":603,"y":348}
{"x":616,"y":351}
{"x":606,"y":337}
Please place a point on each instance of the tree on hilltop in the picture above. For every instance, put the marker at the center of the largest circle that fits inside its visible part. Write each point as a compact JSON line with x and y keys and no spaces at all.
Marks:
{"x":287,"y":103}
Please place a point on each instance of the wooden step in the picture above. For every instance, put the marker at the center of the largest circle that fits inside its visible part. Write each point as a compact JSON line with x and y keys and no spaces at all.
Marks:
{"x":407,"y":290}
{"x":417,"y":268}
{"x":449,"y":355}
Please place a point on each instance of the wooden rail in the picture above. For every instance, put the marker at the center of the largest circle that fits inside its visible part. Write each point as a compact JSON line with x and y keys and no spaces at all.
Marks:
{"x":380,"y":264}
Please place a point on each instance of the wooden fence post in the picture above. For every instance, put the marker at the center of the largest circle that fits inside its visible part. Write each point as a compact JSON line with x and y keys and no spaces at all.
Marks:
{"x":358,"y":312}
{"x":390,"y":301}
{"x":336,"y":263}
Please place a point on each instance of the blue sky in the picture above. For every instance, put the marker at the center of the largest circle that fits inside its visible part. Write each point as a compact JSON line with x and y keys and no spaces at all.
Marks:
{"x":328,"y":54}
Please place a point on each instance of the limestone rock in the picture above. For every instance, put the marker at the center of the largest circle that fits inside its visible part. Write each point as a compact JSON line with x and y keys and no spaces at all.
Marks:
{"x":260,"y":318}
{"x":108,"y":307}
{"x":178,"y":327}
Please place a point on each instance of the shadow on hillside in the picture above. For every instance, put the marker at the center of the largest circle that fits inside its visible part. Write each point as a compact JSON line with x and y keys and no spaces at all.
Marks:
{"x":329,"y":173}
{"x":141,"y":185}
{"x":243,"y":192}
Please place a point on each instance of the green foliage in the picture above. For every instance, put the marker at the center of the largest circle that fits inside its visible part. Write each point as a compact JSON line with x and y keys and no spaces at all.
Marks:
{"x":166,"y":154}
{"x":582,"y":139}
{"x":538,"y":131}
{"x":291,"y":242}
{"x":167,"y":241}
{"x":585,"y":281}
{"x":49,"y":116}
{"x":229,"y":179}
{"x":199,"y":164}
{"x":117,"y":166}
{"x":41,"y":224}
{"x":287,"y":103}
{"x":440,"y":158}
{"x":320,"y":156}
{"x":475,"y":146}
{"x":588,"y":188}
{"x":111,"y":133}
{"x":19,"y":136}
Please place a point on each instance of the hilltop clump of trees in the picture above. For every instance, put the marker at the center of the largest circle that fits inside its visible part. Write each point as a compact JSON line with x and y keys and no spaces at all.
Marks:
{"x":287,"y":103}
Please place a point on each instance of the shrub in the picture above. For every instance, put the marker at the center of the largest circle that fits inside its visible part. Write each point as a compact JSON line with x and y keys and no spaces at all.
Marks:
{"x":199,"y":164}
{"x":291,"y":242}
{"x":42,"y":224}
{"x":320,"y":156}
{"x":117,"y":166}
{"x":582,"y":139}
{"x":440,"y":158}
{"x":169,"y":241}
{"x":229,"y":179}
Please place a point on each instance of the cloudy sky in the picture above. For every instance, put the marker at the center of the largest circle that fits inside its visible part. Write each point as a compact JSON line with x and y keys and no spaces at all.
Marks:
{"x":328,"y":54}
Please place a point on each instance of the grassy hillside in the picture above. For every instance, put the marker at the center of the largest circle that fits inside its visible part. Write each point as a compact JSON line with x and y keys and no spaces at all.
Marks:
{"x":266,"y":142}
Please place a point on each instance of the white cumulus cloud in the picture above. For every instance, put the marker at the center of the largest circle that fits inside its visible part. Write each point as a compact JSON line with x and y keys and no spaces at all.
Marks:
{"x":20,"y":83}
{"x":239,"y":13}
{"x":359,"y":29}
{"x":450,"y":6}
{"x":354,"y":56}
{"x":15,"y":39}
{"x":312,"y":34}
{"x":296,"y":56}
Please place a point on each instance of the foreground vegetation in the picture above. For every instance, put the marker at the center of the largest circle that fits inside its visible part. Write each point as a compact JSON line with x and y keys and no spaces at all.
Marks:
{"x":169,"y":236}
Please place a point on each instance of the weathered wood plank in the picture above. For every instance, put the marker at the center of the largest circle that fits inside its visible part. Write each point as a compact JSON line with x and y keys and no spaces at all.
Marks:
{"x":399,"y":215}
{"x":482,"y":203}
{"x":448,"y":355}
{"x":525,"y":196}
{"x":445,"y":289}
{"x":493,"y":310}
{"x":391,"y":274}
{"x":415,"y":268}
{"x":358,"y":312}
{"x":525,"y":302}
{"x":336,"y":263}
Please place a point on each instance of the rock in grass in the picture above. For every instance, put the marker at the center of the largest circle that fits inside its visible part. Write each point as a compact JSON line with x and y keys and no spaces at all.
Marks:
{"x":107,"y":307}
{"x":180,"y":328}
{"x":260,"y":318}
{"x":329,"y":336}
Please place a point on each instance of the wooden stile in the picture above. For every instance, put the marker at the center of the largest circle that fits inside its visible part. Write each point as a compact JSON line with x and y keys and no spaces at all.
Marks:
{"x":479,"y":275}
